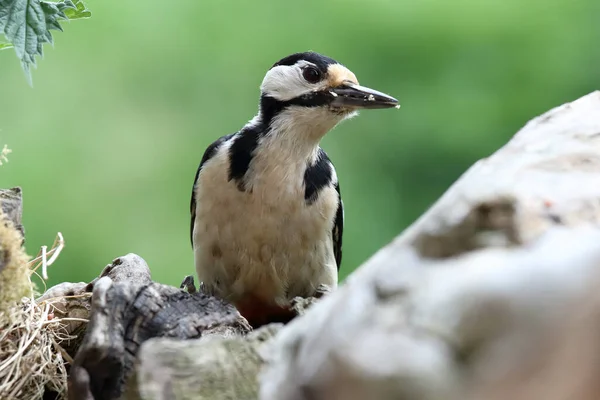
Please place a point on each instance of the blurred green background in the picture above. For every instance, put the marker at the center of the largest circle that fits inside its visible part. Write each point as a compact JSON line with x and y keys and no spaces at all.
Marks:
{"x":106,"y":143}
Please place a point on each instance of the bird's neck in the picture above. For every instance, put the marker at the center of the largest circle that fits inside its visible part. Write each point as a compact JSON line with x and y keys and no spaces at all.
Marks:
{"x":294,"y":133}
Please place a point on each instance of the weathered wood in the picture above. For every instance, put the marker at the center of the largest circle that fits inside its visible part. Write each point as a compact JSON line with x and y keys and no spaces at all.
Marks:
{"x":210,"y":368}
{"x":470,"y":291}
{"x":222,"y":365}
{"x":129,"y":309}
{"x":11,"y":202}
{"x":72,"y":302}
{"x":565,"y":362}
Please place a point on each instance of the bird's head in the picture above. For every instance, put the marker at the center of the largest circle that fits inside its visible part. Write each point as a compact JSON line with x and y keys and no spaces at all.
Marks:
{"x":317,"y":90}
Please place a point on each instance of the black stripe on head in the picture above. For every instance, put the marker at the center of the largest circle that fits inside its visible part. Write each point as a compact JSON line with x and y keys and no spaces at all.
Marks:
{"x":316,"y":177}
{"x":270,"y":107}
{"x":241,"y":153}
{"x":321,"y":61}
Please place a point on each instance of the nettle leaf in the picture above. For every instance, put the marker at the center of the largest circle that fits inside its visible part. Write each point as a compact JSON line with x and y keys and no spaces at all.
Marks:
{"x":78,"y":12}
{"x":26,"y":24}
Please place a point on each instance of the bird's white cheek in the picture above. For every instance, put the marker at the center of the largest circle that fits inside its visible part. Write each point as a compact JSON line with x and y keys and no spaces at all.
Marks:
{"x":284,"y":83}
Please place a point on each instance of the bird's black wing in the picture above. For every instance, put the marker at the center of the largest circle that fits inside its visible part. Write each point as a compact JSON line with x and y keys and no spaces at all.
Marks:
{"x":338,"y":228}
{"x":208,"y":154}
{"x":316,"y":177}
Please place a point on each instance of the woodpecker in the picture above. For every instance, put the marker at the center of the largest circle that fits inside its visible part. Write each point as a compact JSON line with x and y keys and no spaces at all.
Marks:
{"x":266,"y":212}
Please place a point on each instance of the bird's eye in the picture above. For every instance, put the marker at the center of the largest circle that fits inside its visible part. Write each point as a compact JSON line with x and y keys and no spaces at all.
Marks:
{"x":311,"y":74}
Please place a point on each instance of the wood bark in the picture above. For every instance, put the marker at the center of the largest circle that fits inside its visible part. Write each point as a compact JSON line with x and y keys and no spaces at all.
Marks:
{"x":11,"y":203}
{"x":210,"y":368}
{"x":129,"y":309}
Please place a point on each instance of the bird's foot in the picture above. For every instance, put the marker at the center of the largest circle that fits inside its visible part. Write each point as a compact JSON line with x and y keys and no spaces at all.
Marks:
{"x":188,"y":284}
{"x":301,"y":304}
{"x":259,"y":312}
{"x":322,"y":290}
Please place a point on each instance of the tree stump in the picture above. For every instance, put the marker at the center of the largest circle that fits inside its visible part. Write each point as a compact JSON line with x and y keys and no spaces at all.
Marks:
{"x":129,"y":309}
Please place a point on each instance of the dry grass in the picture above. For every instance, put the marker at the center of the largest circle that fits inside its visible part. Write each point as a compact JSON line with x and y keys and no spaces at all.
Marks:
{"x":32,"y":360}
{"x":4,"y":154}
{"x":42,"y":261}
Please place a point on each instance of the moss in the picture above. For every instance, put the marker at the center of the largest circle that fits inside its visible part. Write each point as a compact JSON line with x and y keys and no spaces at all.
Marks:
{"x":14,"y":277}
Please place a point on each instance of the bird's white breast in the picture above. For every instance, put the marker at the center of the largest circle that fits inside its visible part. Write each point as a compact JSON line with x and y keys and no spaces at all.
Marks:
{"x":266,"y":240}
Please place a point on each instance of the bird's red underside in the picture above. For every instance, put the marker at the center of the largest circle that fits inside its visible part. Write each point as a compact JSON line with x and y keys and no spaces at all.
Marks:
{"x":259,"y":312}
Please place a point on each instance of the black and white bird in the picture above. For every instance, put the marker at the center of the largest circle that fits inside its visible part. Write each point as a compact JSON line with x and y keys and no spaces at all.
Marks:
{"x":266,"y":213}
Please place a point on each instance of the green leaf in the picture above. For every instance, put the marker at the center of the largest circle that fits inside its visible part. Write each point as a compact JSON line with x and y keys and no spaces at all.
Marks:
{"x":78,"y":12}
{"x":4,"y":46}
{"x":26,"y":24}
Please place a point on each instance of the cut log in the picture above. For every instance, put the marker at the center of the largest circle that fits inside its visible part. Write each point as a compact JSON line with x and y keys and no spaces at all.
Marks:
{"x":472,"y":290}
{"x":128,"y":309}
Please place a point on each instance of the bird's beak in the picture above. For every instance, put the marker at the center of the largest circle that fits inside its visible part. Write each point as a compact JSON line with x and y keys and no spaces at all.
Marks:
{"x":352,"y":95}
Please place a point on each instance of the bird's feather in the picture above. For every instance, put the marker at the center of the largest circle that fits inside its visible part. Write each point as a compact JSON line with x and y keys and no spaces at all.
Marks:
{"x":210,"y":151}
{"x":338,"y":229}
{"x":317,"y":176}
{"x":241,"y":153}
